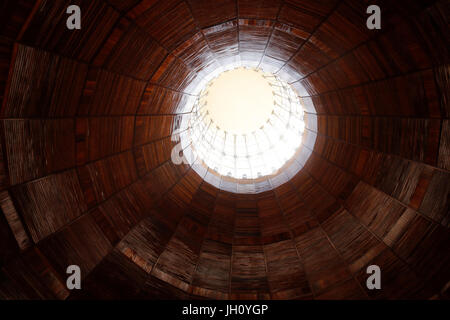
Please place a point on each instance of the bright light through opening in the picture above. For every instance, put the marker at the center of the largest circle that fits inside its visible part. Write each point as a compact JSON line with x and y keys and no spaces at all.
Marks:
{"x":239,"y":101}
{"x":246,"y":124}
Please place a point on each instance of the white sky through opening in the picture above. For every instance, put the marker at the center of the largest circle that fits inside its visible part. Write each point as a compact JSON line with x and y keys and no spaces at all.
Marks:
{"x":239,"y":101}
{"x":246,"y":124}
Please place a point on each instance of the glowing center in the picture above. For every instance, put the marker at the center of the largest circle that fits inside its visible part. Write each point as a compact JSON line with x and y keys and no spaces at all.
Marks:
{"x":240,"y":101}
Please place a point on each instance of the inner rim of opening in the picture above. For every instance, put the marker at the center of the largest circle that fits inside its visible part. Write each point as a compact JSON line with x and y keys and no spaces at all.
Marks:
{"x":245,"y":139}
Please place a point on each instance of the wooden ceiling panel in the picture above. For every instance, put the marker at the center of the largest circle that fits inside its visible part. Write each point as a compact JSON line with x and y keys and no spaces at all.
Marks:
{"x":322,"y":264}
{"x":316,"y":200}
{"x":340,"y":153}
{"x":171,"y":27}
{"x":348,"y":290}
{"x":264,"y":9}
{"x":431,"y":25}
{"x":150,"y":156}
{"x":376,"y":210}
{"x":50,"y":203}
{"x":148,"y":10}
{"x":145,"y":243}
{"x":283,"y":43}
{"x":132,"y":52}
{"x":81,"y":243}
{"x":285,"y":270}
{"x":254,"y":35}
{"x":152,"y":128}
{"x":444,"y":146}
{"x":355,"y":244}
{"x":173,"y":74}
{"x":202,"y":206}
{"x":223,"y":38}
{"x":87,"y":123}
{"x":319,"y":7}
{"x":48,"y":28}
{"x":297,"y":215}
{"x":109,"y":175}
{"x":9,"y":244}
{"x":341,"y":31}
{"x":161,"y":180}
{"x":304,"y":20}
{"x":116,"y":274}
{"x":249,"y":273}
{"x":399,"y":178}
{"x":400,"y":281}
{"x":221,"y":225}
{"x":430,"y":259}
{"x":119,"y":213}
{"x":271,"y":219}
{"x":107,"y":93}
{"x":435,"y":204}
{"x":247,"y":229}
{"x":210,"y":13}
{"x":339,"y":183}
{"x":213,"y":267}
{"x":106,"y":136}
{"x":157,"y":100}
{"x":186,"y":188}
{"x":156,"y":289}
{"x":196,"y":53}
{"x":6,"y":53}
{"x":30,"y":276}
{"x":38,"y":147}
{"x":44,"y":85}
{"x":177,"y":262}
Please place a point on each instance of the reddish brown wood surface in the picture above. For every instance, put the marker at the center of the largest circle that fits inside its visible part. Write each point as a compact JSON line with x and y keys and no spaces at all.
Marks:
{"x":86,"y":176}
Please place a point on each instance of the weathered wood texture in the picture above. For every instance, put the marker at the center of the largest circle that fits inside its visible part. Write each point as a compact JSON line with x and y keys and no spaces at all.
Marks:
{"x":86,"y":175}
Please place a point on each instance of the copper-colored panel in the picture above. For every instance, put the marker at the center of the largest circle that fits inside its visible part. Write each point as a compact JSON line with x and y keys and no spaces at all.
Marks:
{"x":81,"y":243}
{"x":436,"y":201}
{"x":135,"y":54}
{"x":263,"y":9}
{"x":85,"y":159}
{"x":146,"y":128}
{"x":102,"y":142}
{"x":38,"y":147}
{"x":304,"y":20}
{"x":31,"y":276}
{"x":223,"y":38}
{"x":444,"y":146}
{"x":283,"y":44}
{"x":322,"y":264}
{"x":110,"y":94}
{"x":249,"y":275}
{"x":348,"y":290}
{"x":48,"y":28}
{"x":213,"y":266}
{"x":284,"y":269}
{"x":44,"y":84}
{"x":209,"y":13}
{"x":400,"y":281}
{"x":109,"y":175}
{"x":254,"y":34}
{"x":171,"y":27}
{"x":15,"y":224}
{"x":355,"y":244}
{"x":117,"y":269}
{"x":196,"y":53}
{"x":46,"y":212}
